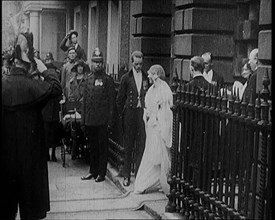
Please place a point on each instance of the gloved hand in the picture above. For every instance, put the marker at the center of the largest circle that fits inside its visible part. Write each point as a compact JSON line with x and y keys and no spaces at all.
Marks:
{"x":68,"y":35}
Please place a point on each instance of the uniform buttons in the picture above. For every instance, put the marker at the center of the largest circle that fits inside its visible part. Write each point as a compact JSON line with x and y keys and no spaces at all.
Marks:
{"x":131,"y":91}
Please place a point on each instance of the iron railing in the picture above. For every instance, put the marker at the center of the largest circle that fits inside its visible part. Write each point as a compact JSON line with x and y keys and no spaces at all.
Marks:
{"x":221,"y":154}
{"x":116,"y":149}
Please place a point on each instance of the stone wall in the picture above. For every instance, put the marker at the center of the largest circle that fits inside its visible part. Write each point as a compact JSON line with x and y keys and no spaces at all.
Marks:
{"x":11,"y":20}
{"x":265,"y":43}
{"x":150,"y":32}
{"x":200,"y":26}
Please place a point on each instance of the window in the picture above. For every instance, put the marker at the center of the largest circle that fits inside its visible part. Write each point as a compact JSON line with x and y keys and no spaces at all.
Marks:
{"x":113,"y":42}
{"x":92,"y":29}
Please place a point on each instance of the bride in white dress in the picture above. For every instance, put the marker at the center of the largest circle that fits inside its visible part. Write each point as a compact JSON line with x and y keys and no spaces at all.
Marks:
{"x":158,"y":118}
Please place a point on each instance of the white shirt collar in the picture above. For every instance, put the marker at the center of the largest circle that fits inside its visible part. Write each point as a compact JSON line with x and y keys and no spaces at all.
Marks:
{"x":208,"y":76}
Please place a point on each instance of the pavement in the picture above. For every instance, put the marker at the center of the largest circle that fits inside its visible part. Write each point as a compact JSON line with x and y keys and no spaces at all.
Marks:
{"x":73,"y":198}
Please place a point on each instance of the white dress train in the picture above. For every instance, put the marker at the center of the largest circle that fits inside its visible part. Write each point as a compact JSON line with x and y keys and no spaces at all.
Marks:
{"x":156,"y":162}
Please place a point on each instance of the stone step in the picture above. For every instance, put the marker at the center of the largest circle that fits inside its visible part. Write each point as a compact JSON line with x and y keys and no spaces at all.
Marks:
{"x":127,"y":201}
{"x":103,"y":214}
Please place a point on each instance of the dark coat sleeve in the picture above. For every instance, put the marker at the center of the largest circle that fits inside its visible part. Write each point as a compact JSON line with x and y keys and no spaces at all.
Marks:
{"x":51,"y":110}
{"x":63,"y":44}
{"x":83,"y":55}
{"x":112,"y":100}
{"x":250,"y":89}
{"x":218,"y":78}
{"x":51,"y":77}
{"x":121,"y":95}
{"x":83,"y":109}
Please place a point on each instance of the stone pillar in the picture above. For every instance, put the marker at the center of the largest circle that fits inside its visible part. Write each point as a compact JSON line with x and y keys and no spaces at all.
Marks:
{"x":34,"y":28}
{"x":150,"y":32}
{"x":203,"y":26}
{"x":27,"y":21}
{"x":265,"y":44}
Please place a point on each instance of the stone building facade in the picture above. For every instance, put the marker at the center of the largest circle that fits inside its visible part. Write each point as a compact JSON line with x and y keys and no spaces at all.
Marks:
{"x":168,"y":32}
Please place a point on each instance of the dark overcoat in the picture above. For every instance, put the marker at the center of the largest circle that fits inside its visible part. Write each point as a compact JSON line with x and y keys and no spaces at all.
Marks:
{"x":198,"y":84}
{"x":250,"y":89}
{"x":51,"y":110}
{"x":218,"y":78}
{"x":23,"y":154}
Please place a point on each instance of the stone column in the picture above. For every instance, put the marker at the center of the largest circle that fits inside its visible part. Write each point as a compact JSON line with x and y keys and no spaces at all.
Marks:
{"x":34,"y":28}
{"x":150,"y":23}
{"x":27,"y":21}
{"x":265,"y":44}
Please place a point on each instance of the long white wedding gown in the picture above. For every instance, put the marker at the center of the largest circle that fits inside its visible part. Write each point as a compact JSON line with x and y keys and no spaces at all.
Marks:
{"x":156,"y":162}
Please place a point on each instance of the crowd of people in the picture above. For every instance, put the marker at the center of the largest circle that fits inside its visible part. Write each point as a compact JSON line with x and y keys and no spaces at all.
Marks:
{"x":33,"y":89}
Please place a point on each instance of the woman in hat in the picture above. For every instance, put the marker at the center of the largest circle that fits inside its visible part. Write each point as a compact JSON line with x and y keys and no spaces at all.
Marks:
{"x":23,"y":155}
{"x":75,"y":92}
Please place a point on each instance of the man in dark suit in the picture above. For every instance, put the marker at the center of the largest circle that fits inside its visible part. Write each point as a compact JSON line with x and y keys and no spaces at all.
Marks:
{"x":97,"y":116}
{"x":209,"y":74}
{"x":199,"y":83}
{"x":23,"y":157}
{"x":196,"y":71}
{"x":72,"y":38}
{"x":130,"y":105}
{"x":250,"y":85}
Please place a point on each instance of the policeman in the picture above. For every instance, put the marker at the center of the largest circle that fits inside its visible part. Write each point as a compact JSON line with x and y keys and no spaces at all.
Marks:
{"x":98,"y":116}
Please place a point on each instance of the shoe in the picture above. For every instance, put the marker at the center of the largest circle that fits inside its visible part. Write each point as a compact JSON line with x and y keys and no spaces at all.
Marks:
{"x":126,"y":181}
{"x":54,"y":158}
{"x":100,"y":179}
{"x":88,"y":177}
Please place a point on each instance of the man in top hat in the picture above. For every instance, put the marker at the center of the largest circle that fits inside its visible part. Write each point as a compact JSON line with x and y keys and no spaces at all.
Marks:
{"x":98,"y":115}
{"x":71,"y":40}
{"x":23,"y":158}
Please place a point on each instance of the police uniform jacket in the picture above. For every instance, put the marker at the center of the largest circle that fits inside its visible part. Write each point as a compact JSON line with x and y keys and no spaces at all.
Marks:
{"x":98,"y":100}
{"x":128,"y":96}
